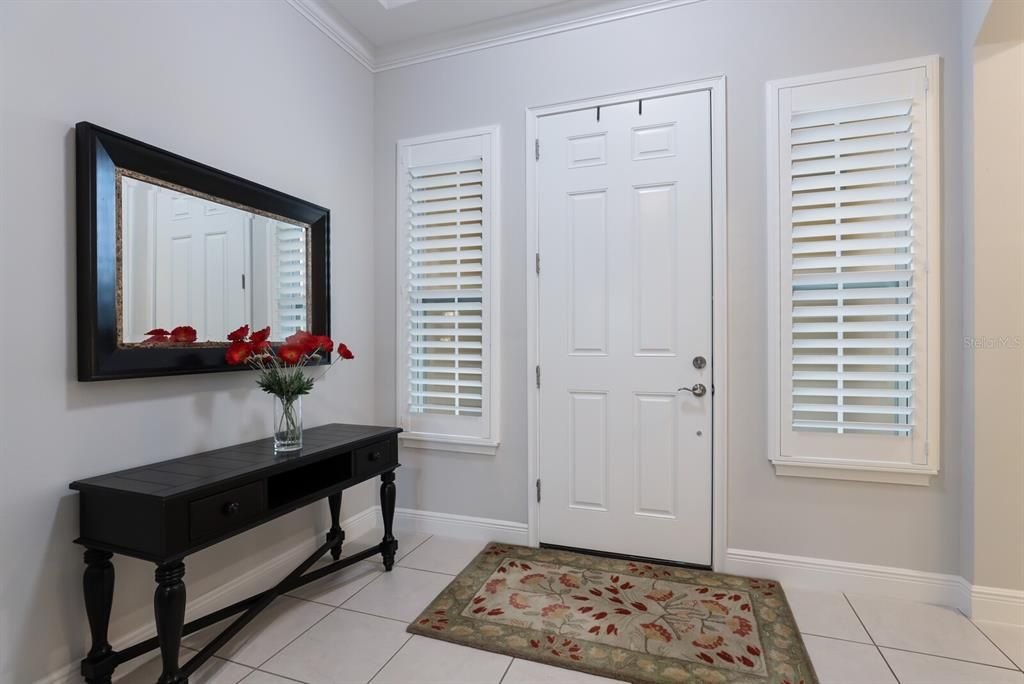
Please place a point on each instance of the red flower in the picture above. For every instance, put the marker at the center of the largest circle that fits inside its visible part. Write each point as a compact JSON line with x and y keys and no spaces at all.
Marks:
{"x":344,"y":352}
{"x":156,"y":339}
{"x":656,"y":632}
{"x":158,"y":332}
{"x":261,"y":335}
{"x":238,"y":352}
{"x":239,"y":334}
{"x":183,"y":334}
{"x":325,"y":344}
{"x":262,"y":347}
{"x":304,"y":341}
{"x":708,"y":641}
{"x":291,"y":354}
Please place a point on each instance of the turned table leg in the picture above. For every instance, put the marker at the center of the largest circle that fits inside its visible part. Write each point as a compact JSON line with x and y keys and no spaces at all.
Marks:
{"x":334,"y":501}
{"x":387,"y":509}
{"x":169,"y":608}
{"x":98,"y":589}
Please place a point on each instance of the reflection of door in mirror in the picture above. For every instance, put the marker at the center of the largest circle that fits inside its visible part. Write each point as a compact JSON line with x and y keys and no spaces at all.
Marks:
{"x":188,"y":260}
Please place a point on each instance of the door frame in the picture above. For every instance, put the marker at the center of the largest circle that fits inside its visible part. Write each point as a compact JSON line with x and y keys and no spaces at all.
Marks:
{"x":719,"y":283}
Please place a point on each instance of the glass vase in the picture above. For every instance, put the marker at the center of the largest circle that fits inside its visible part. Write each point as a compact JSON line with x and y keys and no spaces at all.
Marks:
{"x":287,"y":423}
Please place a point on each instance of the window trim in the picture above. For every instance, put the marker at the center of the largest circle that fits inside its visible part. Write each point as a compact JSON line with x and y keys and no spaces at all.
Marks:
{"x":466,"y":444}
{"x":831,"y":467}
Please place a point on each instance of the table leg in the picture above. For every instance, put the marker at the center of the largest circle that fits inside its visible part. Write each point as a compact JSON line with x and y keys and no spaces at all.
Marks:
{"x":98,"y":589}
{"x":387,"y":508}
{"x":334,"y":501}
{"x":169,"y":608}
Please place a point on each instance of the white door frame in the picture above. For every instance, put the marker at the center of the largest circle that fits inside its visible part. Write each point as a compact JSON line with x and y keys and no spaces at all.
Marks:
{"x":719,"y":283}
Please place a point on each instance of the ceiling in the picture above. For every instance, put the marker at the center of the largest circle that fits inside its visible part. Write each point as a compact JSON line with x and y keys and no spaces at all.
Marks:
{"x":384,"y":34}
{"x":386,"y":28}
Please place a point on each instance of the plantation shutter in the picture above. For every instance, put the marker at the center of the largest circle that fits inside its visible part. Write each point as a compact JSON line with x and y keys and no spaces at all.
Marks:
{"x":291,"y":269}
{"x":856,"y":352}
{"x":853,"y":269}
{"x":447,"y":295}
{"x":446,"y":288}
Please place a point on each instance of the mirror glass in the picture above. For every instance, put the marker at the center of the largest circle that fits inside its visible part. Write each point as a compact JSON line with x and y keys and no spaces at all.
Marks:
{"x":187,"y":259}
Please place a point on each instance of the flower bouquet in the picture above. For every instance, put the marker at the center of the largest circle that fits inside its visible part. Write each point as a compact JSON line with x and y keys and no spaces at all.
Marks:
{"x":281,"y":373}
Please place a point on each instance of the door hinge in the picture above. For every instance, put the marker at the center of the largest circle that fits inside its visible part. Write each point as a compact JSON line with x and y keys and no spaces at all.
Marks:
{"x":538,"y":376}
{"x":536,"y":262}
{"x":243,"y":281}
{"x":538,"y":490}
{"x":536,"y":149}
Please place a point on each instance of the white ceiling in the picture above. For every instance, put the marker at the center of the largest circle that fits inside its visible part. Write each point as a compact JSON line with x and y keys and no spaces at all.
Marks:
{"x":386,"y":28}
{"x":384,"y":34}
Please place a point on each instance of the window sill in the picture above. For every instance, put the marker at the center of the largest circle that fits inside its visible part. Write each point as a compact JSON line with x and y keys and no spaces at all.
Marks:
{"x":450,"y":443}
{"x":904,"y":475}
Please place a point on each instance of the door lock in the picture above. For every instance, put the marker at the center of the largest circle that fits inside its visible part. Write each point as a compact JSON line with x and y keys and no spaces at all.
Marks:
{"x":698,"y":390}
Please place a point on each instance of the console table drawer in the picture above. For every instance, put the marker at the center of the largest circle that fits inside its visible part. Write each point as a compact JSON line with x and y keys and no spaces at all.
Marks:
{"x":375,"y":457}
{"x":223,"y":512}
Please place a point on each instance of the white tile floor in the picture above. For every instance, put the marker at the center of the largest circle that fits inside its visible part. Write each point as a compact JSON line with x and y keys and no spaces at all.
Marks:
{"x":350,"y":629}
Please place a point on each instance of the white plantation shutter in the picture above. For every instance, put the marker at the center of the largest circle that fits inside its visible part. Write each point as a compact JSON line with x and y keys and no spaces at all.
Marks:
{"x":290,"y":305}
{"x":445,"y":303}
{"x":852,"y":342}
{"x":446,"y":299}
{"x":857,"y":357}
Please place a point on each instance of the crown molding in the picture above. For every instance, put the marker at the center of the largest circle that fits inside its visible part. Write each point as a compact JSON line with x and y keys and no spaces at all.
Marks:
{"x":467,"y":42}
{"x":345,"y":36}
{"x":481,"y":39}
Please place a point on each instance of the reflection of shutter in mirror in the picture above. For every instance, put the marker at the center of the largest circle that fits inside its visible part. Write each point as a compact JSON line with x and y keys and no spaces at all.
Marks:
{"x":291,"y":310}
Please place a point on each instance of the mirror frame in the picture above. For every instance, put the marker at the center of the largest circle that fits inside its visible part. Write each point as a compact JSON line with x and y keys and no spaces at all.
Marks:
{"x":100,"y":153}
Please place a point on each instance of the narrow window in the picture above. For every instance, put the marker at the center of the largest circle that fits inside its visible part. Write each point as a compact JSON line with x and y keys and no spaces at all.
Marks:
{"x":857,"y":231}
{"x":447,"y":291}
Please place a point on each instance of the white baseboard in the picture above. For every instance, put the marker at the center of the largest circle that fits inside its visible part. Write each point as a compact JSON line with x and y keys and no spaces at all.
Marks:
{"x":250,"y":582}
{"x":461,"y":526}
{"x":857,"y":578}
{"x":997,"y":605}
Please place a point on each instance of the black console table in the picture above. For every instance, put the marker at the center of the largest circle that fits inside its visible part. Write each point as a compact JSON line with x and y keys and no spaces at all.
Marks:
{"x":165,"y":511}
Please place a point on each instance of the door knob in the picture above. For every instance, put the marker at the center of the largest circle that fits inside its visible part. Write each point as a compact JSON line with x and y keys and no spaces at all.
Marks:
{"x":697,"y":390}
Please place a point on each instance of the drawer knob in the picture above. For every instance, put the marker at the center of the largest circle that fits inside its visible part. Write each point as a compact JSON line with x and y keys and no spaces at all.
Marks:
{"x":375,"y":456}
{"x":232,"y":507}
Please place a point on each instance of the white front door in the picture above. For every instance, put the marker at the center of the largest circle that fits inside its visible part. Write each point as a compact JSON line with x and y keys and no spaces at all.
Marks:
{"x":624,"y":204}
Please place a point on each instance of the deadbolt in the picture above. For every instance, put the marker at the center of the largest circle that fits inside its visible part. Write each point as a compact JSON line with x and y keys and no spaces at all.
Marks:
{"x":697,"y":390}
{"x":699,"y":362}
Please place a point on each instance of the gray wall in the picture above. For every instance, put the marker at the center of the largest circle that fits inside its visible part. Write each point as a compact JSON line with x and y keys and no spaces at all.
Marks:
{"x":249,"y":87}
{"x":997,"y":325}
{"x":750,"y":42}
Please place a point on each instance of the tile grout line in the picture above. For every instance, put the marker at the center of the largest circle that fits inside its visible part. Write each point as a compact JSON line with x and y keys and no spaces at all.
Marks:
{"x":907,"y":650}
{"x":873,"y":642}
{"x":507,"y":668}
{"x":326,"y":615}
{"x":273,"y":674}
{"x":382,"y":617}
{"x":835,"y":638}
{"x":1020,"y":668}
{"x":383,"y":573}
{"x":386,"y":662}
{"x":435,"y":572}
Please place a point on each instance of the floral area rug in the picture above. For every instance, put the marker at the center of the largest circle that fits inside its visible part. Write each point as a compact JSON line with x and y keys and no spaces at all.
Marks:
{"x":650,"y":624}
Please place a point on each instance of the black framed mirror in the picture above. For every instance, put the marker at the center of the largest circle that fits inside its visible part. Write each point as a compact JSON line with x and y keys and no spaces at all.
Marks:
{"x":174,"y":255}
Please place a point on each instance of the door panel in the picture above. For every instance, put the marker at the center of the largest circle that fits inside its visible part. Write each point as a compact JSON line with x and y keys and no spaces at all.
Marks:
{"x":624,"y":208}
